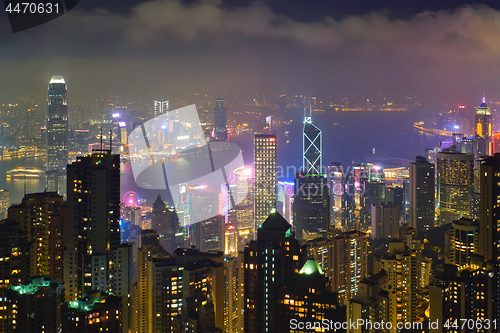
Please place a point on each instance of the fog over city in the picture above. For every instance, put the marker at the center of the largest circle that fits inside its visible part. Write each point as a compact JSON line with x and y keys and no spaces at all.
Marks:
{"x":177,"y":48}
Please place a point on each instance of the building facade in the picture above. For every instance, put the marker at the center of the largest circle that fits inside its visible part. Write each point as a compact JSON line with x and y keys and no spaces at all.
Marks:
{"x":57,"y":133}
{"x":265,"y":177}
{"x":455,"y":185}
{"x":422,"y":195}
{"x":93,"y":230}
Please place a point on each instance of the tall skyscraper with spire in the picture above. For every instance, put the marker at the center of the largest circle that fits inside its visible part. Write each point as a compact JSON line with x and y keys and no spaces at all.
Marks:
{"x":483,"y":119}
{"x":483,"y":142}
{"x":312,"y":143}
{"x":57,"y":132}
{"x":312,"y":203}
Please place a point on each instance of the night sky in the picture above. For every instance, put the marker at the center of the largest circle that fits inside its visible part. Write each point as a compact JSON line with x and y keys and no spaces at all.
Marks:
{"x":442,"y":51}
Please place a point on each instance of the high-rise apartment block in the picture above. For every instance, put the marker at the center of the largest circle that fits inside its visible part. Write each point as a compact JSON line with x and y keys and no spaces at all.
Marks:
{"x":374,"y":303}
{"x":403,"y":267}
{"x":15,"y":263}
{"x":343,"y":259}
{"x":422,"y":195}
{"x":35,"y":305}
{"x":95,"y":312}
{"x":149,"y":247}
{"x":465,"y":296}
{"x":93,"y":230}
{"x":385,"y":220}
{"x":489,"y":222}
{"x":43,"y":217}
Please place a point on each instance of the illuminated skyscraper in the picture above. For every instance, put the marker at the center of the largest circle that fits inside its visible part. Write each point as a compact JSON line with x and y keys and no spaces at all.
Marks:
{"x":285,"y":201}
{"x":483,"y":120}
{"x":268,"y":264}
{"x":464,"y":241}
{"x":312,"y":148}
{"x":243,"y":179}
{"x":311,"y":205}
{"x":43,"y":217}
{"x":230,"y":294}
{"x":231,"y":241}
{"x":403,"y":267}
{"x":15,"y":263}
{"x":29,"y":134}
{"x":35,"y":305}
{"x":101,"y":311}
{"x":489,"y":178}
{"x":422,"y":198}
{"x":462,"y":296}
{"x":220,"y":129}
{"x":343,"y":258}
{"x":4,"y":203}
{"x":310,"y":298}
{"x":265,"y":177}
{"x":181,"y":290}
{"x":57,"y":132}
{"x":160,"y":107}
{"x":337,"y":184}
{"x":495,"y":143}
{"x":455,"y":185}
{"x":312,"y":200}
{"x":93,"y":230}
{"x":149,"y":247}
{"x":374,"y":303}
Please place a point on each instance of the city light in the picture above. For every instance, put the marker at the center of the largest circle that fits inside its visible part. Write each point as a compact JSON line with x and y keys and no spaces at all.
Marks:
{"x":145,"y":188}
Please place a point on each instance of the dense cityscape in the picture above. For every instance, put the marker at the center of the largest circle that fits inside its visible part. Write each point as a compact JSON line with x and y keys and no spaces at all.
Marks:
{"x":314,"y":209}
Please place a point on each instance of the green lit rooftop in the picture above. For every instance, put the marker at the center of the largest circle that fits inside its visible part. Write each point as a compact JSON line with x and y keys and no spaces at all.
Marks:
{"x":87,"y":303}
{"x":32,"y":287}
{"x":311,"y":267}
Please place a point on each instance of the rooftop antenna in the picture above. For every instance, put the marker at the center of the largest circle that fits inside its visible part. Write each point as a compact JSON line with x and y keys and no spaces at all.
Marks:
{"x":484,"y":98}
{"x":101,"y":139}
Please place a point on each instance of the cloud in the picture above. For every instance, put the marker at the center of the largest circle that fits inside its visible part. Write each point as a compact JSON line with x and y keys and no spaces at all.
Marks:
{"x":442,"y":47}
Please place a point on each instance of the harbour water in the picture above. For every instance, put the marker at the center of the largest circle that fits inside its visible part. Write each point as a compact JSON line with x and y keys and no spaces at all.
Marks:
{"x":347,"y":137}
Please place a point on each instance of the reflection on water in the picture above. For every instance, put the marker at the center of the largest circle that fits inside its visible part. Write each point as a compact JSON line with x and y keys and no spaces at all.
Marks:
{"x":17,"y":185}
{"x":353,"y":138}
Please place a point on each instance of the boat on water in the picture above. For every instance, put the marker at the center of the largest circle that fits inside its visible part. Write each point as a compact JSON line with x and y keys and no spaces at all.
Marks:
{"x":25,"y":172}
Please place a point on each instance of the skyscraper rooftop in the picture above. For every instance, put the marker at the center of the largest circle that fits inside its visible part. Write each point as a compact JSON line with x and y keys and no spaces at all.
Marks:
{"x":57,"y":79}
